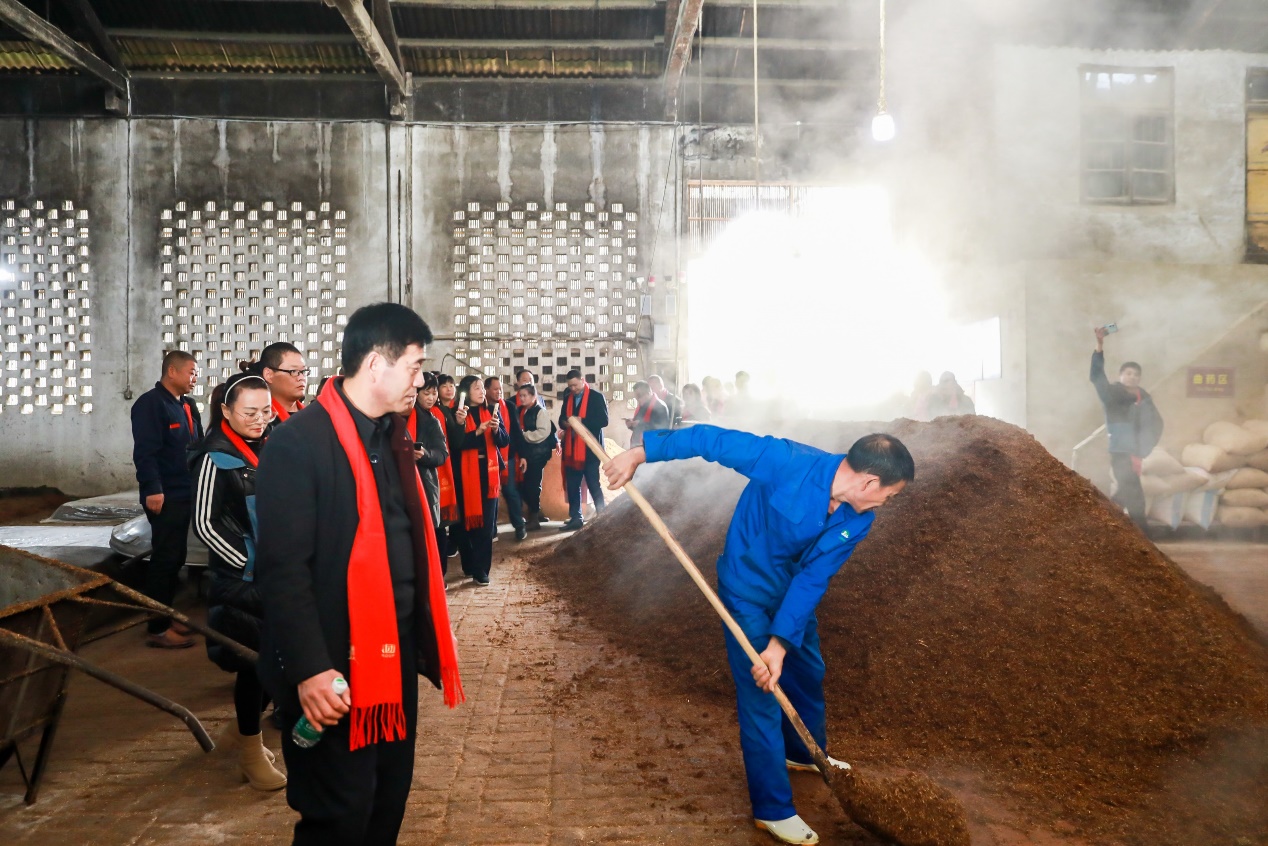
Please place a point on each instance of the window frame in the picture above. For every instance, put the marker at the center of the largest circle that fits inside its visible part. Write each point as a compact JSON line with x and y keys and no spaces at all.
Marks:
{"x":1131,"y":115}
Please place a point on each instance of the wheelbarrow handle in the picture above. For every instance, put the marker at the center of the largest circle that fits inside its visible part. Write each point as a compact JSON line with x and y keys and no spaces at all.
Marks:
{"x":820,"y":757}
{"x":206,"y":631}
{"x":70,"y":659}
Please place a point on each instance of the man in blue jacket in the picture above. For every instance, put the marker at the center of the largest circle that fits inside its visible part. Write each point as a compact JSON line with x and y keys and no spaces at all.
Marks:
{"x":796,"y":523}
{"x":165,"y":422}
{"x":1134,"y":426}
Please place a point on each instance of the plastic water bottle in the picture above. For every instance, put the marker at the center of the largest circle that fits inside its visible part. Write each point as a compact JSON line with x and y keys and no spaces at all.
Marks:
{"x":305,"y":734}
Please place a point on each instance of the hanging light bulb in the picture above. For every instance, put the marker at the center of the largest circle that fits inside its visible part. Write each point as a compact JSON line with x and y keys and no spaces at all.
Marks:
{"x":883,"y":124}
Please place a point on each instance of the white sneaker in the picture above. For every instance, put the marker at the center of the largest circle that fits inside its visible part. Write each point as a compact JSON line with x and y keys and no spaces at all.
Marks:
{"x":798,"y":767}
{"x":792,"y":830}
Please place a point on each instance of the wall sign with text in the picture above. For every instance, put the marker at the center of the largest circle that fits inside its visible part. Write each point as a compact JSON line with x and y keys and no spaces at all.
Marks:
{"x":1211,"y":382}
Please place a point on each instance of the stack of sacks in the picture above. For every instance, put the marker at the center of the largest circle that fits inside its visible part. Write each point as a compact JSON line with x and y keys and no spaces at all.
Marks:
{"x":1226,"y":456}
{"x":1244,"y":503}
{"x":1166,"y":483}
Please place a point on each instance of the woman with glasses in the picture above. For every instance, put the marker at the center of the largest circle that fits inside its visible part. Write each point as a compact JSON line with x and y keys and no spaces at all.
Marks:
{"x":224,"y":464}
{"x":282,"y":366}
{"x":474,"y":440}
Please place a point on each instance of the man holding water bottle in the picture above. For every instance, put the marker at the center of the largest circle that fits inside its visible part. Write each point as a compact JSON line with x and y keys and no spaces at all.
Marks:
{"x":349,"y":575}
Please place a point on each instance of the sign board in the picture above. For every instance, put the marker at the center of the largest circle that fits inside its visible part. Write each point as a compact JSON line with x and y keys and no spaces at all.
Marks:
{"x":1210,"y":382}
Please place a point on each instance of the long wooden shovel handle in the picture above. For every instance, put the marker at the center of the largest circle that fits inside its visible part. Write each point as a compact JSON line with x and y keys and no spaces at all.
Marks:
{"x":820,"y":757}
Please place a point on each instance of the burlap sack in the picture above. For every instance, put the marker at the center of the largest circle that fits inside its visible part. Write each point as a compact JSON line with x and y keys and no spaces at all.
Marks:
{"x":1241,"y":518}
{"x":1234,"y":439}
{"x":1260,"y":426}
{"x":1245,"y":498}
{"x":1259,"y":460}
{"x":1160,"y":463}
{"x":1211,"y":458}
{"x":1248,"y":477}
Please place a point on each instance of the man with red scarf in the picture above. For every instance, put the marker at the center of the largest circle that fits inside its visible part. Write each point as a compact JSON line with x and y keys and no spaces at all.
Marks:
{"x":579,"y":463}
{"x":511,"y":474}
{"x":349,"y":577}
{"x":651,"y":414}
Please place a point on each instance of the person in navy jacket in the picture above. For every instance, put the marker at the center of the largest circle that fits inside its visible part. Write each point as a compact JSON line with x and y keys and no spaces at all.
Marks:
{"x":165,"y":422}
{"x":797,"y":522}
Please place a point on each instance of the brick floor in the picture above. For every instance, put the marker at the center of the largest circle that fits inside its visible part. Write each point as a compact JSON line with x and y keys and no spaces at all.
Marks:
{"x":563,"y":741}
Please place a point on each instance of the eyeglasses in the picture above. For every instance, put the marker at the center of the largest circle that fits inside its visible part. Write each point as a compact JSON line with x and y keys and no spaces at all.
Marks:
{"x":297,"y":373}
{"x":258,"y":414}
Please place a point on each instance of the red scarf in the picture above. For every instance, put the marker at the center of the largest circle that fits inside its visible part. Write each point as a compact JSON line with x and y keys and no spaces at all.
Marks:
{"x":281,"y":413}
{"x":647,"y":415}
{"x":378,"y":713}
{"x":444,"y":473}
{"x":239,"y":444}
{"x":574,"y":446}
{"x":472,"y":490}
{"x":507,"y":452}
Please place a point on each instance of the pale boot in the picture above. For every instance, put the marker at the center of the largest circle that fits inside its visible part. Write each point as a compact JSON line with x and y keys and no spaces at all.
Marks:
{"x":792,"y":830}
{"x":228,"y":740}
{"x":256,"y":769}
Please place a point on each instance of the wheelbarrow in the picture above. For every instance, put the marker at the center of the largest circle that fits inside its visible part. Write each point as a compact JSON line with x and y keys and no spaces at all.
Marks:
{"x":47,"y":609}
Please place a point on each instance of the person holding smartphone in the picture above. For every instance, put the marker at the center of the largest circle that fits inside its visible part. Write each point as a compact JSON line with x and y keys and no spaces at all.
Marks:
{"x":431,"y":454}
{"x":1133,"y":423}
{"x":474,"y":441}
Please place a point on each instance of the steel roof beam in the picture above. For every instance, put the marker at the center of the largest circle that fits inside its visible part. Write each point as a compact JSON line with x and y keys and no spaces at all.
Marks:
{"x":687,"y":18}
{"x":35,"y":28}
{"x":376,"y":50}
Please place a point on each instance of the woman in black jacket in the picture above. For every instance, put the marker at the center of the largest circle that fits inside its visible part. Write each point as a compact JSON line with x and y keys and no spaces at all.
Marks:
{"x":431,"y":454}
{"x":473,"y":448}
{"x":224,"y":465}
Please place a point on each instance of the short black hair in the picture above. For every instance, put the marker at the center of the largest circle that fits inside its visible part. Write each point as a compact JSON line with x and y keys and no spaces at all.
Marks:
{"x":1131,"y":364}
{"x":429,"y":382}
{"x":528,"y":387}
{"x":272,"y":355}
{"x":641,"y":386}
{"x":489,"y":381}
{"x":884,"y":456}
{"x":387,"y":328}
{"x":572,"y":374}
{"x":175,"y":358}
{"x":443,"y":379}
{"x":526,"y":370}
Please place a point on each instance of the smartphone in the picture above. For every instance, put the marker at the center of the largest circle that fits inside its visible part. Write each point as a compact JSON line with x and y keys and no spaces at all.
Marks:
{"x":1110,"y":328}
{"x":418,"y":445}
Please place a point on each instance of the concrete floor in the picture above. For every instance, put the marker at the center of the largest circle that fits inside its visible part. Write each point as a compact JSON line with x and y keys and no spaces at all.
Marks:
{"x":563,"y":740}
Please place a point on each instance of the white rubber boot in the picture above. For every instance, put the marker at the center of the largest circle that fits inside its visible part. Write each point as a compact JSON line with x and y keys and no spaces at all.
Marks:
{"x":792,"y":830}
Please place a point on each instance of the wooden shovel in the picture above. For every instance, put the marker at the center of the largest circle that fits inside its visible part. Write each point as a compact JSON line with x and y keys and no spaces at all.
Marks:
{"x":911,"y":810}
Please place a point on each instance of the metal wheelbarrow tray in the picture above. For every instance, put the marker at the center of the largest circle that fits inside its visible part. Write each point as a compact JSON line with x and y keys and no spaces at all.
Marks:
{"x":47,"y":609}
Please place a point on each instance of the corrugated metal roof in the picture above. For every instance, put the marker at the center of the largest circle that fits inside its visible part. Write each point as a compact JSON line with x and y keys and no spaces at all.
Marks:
{"x":146,"y":54}
{"x":25,"y":56}
{"x":565,"y":63}
{"x":436,"y":22}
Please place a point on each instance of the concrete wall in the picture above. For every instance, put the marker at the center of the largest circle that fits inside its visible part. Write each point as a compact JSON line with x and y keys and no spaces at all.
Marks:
{"x":1171,"y":276}
{"x":398,"y":184}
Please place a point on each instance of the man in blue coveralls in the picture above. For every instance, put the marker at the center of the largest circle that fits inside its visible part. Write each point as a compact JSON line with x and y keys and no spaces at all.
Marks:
{"x":796,"y":523}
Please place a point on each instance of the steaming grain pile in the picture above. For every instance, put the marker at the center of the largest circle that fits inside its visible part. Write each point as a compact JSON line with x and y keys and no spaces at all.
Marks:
{"x":1001,"y":620}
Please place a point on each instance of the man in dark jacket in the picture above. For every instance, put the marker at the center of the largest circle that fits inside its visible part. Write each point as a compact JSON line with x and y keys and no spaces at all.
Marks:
{"x":650,"y":415}
{"x":1134,"y":427}
{"x":579,"y":463}
{"x":350,"y":580}
{"x":537,"y":441}
{"x":165,"y":422}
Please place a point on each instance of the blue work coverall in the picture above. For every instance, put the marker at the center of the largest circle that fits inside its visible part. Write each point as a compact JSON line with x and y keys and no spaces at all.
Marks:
{"x":781,"y":549}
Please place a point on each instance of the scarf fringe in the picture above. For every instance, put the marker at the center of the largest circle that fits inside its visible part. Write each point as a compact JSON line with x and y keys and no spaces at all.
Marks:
{"x":380,"y":723}
{"x":451,"y":685}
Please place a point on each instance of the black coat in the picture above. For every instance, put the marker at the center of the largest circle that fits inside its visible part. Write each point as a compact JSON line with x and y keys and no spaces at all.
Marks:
{"x":307,"y":507}
{"x":460,"y":441}
{"x":222,"y":521}
{"x":435,"y":453}
{"x":595,"y":420}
